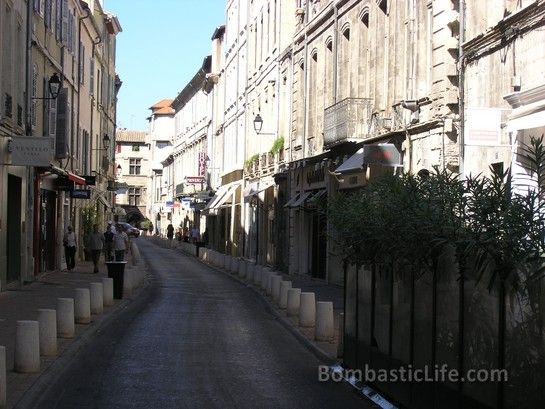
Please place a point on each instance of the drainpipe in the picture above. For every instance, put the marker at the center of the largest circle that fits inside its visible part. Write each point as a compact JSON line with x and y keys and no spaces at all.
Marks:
{"x":97,"y":41}
{"x":80,"y":20}
{"x":461,"y":90}
{"x":335,"y":45}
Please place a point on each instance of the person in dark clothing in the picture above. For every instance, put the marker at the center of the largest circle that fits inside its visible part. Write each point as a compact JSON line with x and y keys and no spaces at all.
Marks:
{"x":108,"y":242}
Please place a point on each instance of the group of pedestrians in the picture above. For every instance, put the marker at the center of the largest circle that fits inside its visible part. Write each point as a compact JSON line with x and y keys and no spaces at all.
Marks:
{"x":114,"y":242}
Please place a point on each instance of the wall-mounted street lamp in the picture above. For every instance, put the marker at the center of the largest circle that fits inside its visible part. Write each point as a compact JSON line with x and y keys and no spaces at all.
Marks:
{"x":54,"y":87}
{"x":258,"y":125}
{"x":106,"y":141}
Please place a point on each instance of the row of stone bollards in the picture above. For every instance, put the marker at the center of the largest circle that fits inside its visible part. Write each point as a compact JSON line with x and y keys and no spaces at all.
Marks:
{"x":39,"y":338}
{"x":303,"y":305}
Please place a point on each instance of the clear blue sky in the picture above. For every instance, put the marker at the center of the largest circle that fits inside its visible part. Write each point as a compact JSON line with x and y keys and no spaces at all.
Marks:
{"x":162,"y":46}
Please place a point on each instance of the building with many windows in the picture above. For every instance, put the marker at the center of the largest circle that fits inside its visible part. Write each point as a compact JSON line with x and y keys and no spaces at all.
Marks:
{"x":161,"y":135}
{"x":58,"y":94}
{"x":132,"y":158}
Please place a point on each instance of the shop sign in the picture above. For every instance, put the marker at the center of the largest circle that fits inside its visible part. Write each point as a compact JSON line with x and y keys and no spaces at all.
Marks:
{"x":195,"y":180}
{"x":314,"y":178}
{"x":80,"y":194}
{"x":31,"y":150}
{"x":202,"y":164}
{"x":385,"y":154}
{"x":90,"y":180}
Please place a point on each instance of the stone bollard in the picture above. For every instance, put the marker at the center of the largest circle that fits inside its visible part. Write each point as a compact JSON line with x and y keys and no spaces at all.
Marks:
{"x":65,"y":318}
{"x":340,"y":344}
{"x":27,"y":347}
{"x":294,"y":301}
{"x":257,"y":274}
{"x":47,"y":321}
{"x":97,"y":298}
{"x":269,"y":288}
{"x":324,"y":330}
{"x":250,"y":271}
{"x":307,"y":310}
{"x":127,"y":283}
{"x":283,"y":300}
{"x":234,"y":265}
{"x":264,"y":278}
{"x":226,"y":261}
{"x":3,"y":376}
{"x":275,"y":287}
{"x":82,"y":306}
{"x":242,"y":268}
{"x":135,"y":252}
{"x":108,"y":291}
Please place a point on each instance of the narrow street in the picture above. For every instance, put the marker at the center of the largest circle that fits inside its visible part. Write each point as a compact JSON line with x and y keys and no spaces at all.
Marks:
{"x":200,"y":340}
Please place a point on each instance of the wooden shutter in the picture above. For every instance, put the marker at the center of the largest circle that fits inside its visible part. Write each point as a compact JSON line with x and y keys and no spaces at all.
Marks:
{"x":61,"y":140}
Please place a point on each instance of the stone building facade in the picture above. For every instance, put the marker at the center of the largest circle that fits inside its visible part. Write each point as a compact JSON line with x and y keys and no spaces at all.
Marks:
{"x":132,"y":158}
{"x":74,"y":43}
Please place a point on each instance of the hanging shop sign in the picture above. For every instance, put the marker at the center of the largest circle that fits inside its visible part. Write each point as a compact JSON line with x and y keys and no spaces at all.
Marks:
{"x":202,"y":164}
{"x":195,"y":180}
{"x":80,"y":194}
{"x":90,"y":180}
{"x":31,"y":150}
{"x":384,"y":154}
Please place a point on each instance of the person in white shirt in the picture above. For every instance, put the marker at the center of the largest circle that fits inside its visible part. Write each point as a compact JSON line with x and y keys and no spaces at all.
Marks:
{"x":121,"y":243}
{"x":69,"y":242}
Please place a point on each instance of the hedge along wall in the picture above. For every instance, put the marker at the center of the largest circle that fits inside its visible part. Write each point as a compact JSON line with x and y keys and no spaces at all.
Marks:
{"x":450,"y":272}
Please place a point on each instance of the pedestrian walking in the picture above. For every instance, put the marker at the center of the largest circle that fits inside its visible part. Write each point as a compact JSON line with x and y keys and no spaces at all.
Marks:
{"x":108,"y":242}
{"x":96,"y":243}
{"x":121,"y":243}
{"x":195,"y":235}
{"x":170,"y":234}
{"x":70,"y":243}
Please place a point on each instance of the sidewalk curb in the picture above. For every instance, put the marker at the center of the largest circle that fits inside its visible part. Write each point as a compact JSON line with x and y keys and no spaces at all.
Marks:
{"x":31,"y":397}
{"x":308,"y":344}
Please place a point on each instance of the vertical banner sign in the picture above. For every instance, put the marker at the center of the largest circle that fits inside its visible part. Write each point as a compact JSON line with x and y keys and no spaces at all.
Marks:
{"x":202,"y":164}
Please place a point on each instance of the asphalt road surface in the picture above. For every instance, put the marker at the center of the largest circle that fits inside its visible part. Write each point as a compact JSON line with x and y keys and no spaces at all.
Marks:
{"x":199,"y":340}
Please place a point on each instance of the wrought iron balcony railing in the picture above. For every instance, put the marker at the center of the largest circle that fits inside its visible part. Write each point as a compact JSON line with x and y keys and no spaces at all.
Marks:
{"x":347,"y":120}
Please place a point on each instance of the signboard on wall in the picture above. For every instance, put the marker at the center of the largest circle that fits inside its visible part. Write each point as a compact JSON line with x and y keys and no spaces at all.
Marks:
{"x":31,"y":150}
{"x":483,"y":126}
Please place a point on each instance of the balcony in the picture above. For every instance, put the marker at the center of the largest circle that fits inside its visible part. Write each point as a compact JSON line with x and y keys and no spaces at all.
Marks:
{"x":265,"y":164}
{"x":347,"y":121}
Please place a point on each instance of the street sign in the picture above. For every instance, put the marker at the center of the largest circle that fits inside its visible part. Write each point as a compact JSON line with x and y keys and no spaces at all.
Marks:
{"x":90,"y":180}
{"x":80,"y":194}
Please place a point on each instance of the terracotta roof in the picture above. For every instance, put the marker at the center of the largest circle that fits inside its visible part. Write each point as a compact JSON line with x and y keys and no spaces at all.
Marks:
{"x":165,"y":110}
{"x":124,"y":135}
{"x":162,"y":104}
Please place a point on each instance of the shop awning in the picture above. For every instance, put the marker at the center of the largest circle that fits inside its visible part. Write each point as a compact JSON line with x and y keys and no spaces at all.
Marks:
{"x":78,"y":180}
{"x":256,"y":187}
{"x":222,"y":195}
{"x":316,"y":197}
{"x":298,"y":200}
{"x":383,"y":154}
{"x":354,"y":162}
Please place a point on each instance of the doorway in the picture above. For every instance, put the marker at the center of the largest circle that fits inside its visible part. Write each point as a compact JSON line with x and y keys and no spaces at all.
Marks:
{"x":48,"y":232}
